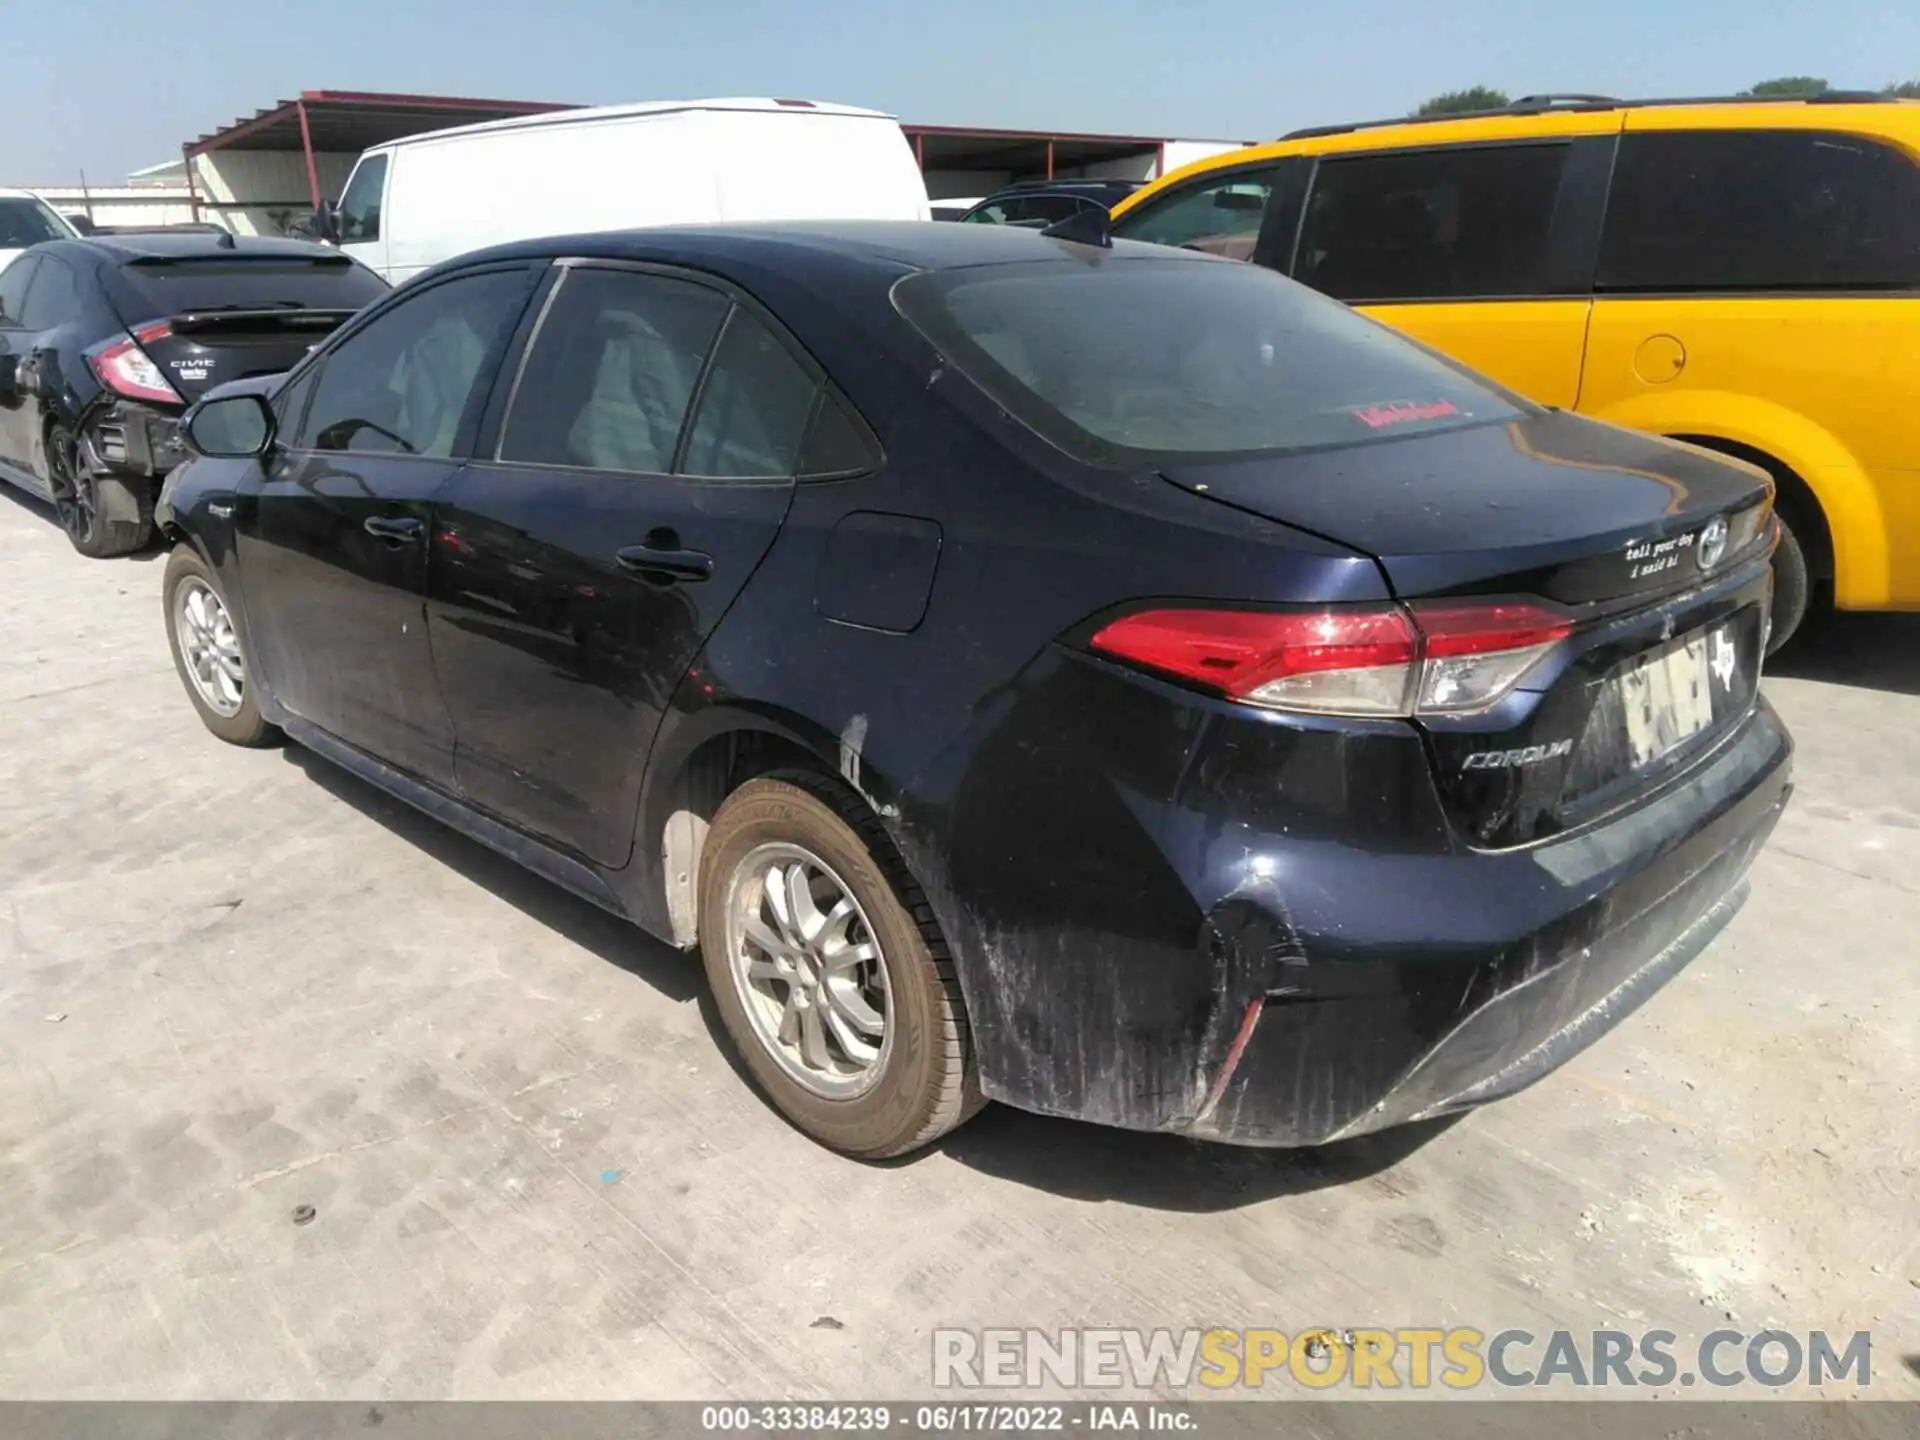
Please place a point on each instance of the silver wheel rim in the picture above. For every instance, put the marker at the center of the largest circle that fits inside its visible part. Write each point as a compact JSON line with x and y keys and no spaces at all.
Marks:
{"x":209,"y":646}
{"x":808,"y":970}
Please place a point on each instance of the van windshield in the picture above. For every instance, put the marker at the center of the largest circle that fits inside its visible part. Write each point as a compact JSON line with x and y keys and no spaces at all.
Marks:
{"x":26,"y":222}
{"x":1127,"y":358}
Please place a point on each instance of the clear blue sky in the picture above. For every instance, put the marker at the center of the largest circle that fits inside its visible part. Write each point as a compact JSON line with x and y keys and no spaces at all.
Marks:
{"x":108,"y":86}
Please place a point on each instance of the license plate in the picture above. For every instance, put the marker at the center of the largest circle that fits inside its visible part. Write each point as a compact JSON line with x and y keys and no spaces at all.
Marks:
{"x":1668,"y":698}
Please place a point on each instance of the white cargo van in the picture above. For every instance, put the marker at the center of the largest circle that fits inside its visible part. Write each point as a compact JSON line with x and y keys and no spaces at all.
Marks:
{"x":415,"y":202}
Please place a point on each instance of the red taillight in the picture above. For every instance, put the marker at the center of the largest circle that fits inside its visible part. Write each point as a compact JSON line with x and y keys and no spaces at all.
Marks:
{"x":1435,"y":660}
{"x":126,"y":369}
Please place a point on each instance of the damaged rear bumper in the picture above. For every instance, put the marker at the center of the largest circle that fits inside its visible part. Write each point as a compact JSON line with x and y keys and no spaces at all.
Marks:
{"x":1324,"y":1051}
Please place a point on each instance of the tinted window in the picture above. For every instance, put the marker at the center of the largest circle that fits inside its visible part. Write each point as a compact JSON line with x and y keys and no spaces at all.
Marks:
{"x":290,"y":402}
{"x":403,"y":384}
{"x":1185,"y":357}
{"x":1760,"y":210}
{"x":612,"y":372}
{"x":360,"y":205}
{"x":1026,"y":210}
{"x":1441,"y":223}
{"x":753,"y":409}
{"x":13,"y":289}
{"x":837,"y":443}
{"x":327,"y":281}
{"x":28,"y":222}
{"x":55,"y":296}
{"x":1220,"y":215}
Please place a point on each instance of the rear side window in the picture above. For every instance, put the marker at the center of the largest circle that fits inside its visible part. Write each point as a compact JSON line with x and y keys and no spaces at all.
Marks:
{"x":1135,"y":360}
{"x":26,"y":222}
{"x":1760,"y":210}
{"x":14,"y":284}
{"x":753,"y":408}
{"x":609,"y":380}
{"x":179,"y":286}
{"x":1220,"y":215}
{"x":55,"y":296}
{"x":405,"y":382}
{"x":1433,"y":225}
{"x":360,"y":205}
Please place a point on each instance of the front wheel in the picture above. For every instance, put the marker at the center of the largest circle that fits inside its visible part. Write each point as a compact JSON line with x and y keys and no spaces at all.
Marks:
{"x":207,"y":653}
{"x":828,"y":971}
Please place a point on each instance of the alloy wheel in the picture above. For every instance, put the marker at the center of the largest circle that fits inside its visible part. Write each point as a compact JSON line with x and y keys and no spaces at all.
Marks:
{"x":211,"y":649}
{"x":808,"y":970}
{"x":75,"y":499}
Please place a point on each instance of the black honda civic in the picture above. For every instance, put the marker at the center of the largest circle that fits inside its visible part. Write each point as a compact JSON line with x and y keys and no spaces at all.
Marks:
{"x":1109,"y":680}
{"x":104,"y":341}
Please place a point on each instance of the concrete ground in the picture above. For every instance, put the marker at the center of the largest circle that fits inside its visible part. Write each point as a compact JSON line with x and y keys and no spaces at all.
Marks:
{"x":236,"y":983}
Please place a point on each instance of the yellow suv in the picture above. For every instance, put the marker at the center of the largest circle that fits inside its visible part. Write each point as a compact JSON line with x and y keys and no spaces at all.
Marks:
{"x":1741,"y":274}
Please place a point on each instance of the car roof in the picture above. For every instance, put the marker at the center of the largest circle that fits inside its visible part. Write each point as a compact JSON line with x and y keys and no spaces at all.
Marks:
{"x":549,"y":118}
{"x":1566,"y":115}
{"x":896,"y":245}
{"x":198,"y":244}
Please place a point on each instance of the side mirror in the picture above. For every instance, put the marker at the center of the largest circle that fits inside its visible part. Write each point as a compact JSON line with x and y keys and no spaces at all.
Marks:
{"x":10,"y":396}
{"x":326,"y":222}
{"x":230,"y":427}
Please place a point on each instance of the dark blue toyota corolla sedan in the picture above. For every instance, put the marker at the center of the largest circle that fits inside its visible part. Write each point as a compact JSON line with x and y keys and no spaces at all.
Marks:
{"x":1110,"y":680}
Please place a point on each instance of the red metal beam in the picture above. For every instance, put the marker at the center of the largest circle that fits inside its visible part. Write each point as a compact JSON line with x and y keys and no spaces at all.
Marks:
{"x":1145,"y":142}
{"x":920,"y":152}
{"x":306,"y":145}
{"x":1049,"y":159}
{"x":240,"y":129}
{"x":430,"y":102}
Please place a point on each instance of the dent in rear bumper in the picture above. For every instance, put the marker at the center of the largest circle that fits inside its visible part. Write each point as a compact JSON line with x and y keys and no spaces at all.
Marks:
{"x":1417,"y":1040}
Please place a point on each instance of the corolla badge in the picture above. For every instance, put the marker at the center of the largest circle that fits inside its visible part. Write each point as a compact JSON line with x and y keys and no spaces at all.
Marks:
{"x":1713,"y":543}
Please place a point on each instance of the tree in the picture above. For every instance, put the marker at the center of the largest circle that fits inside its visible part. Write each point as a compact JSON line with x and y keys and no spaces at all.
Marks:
{"x":1455,"y":102}
{"x":1788,"y":87}
{"x":1905,"y":90}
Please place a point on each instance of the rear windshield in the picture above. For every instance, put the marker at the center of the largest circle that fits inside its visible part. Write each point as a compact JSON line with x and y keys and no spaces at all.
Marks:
{"x":27,"y":222}
{"x":1124,"y":359}
{"x":175,"y":287}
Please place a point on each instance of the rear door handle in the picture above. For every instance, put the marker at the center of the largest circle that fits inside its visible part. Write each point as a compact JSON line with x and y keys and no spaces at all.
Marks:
{"x":395,"y":530}
{"x":666,"y":564}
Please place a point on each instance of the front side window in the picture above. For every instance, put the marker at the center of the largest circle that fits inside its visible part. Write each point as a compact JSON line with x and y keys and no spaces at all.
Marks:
{"x":360,"y":206}
{"x":1459,"y":223}
{"x":404,"y":383}
{"x":1760,"y":210}
{"x":1220,"y":215}
{"x":25,"y":222}
{"x":610,"y":377}
{"x":1140,"y":360}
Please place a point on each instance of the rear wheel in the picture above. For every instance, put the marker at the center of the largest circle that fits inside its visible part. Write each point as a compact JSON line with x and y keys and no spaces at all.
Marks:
{"x":828,"y":971}
{"x":1792,"y":588}
{"x":77,"y":501}
{"x":208,"y":654}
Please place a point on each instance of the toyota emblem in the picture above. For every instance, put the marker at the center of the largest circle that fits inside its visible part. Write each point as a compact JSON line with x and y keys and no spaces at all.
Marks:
{"x":1712,"y":545}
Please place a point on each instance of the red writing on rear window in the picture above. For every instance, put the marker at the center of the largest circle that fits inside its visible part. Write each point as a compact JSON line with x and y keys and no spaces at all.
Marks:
{"x":1400,"y":412}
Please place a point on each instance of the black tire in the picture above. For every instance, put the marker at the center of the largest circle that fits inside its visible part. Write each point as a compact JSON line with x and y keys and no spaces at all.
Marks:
{"x":926,"y":1083}
{"x":244,"y":726}
{"x":1792,"y":589}
{"x":76,"y":500}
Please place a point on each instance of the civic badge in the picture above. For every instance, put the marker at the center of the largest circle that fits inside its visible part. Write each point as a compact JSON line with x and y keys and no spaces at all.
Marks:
{"x":1713,"y":543}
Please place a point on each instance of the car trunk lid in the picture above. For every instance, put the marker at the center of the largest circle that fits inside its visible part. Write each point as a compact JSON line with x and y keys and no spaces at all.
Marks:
{"x":201,"y":349}
{"x":1656,"y":552}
